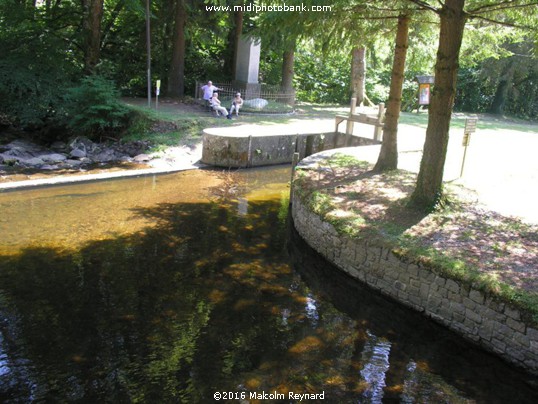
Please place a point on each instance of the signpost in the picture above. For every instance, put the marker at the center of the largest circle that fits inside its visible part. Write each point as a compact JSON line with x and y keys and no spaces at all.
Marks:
{"x":424,"y":90}
{"x":157,"y":92}
{"x":470,"y":127}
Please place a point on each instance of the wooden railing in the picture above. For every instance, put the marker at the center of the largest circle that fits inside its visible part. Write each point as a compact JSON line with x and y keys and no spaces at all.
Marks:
{"x":376,"y":119}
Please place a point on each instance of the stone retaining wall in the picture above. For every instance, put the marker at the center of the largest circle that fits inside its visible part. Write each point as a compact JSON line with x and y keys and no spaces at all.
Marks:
{"x":223,"y":149}
{"x":493,"y":325}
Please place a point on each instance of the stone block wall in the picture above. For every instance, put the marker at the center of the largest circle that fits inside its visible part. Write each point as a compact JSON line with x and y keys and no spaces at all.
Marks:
{"x":494,"y":325}
{"x":254,"y":150}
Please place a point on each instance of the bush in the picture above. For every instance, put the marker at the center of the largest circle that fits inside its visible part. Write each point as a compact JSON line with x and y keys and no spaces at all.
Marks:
{"x":30,"y":98}
{"x":94,"y":108}
{"x":322,"y":79}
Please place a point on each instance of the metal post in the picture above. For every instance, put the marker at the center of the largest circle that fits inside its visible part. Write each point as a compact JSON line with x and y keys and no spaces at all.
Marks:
{"x":470,"y":127}
{"x":148,"y":46}
{"x":249,"y":152}
{"x":294,"y":162}
{"x":463,"y":161}
{"x":157,"y":92}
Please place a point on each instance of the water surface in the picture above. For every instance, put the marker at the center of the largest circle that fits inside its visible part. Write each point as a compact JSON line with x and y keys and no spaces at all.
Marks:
{"x":166,"y":289}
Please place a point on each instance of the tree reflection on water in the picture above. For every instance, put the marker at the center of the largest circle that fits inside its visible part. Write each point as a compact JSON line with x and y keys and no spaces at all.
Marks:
{"x":218,"y":296}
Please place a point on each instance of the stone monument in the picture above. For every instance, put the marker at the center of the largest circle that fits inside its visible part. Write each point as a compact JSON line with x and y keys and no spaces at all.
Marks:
{"x":247,"y":67}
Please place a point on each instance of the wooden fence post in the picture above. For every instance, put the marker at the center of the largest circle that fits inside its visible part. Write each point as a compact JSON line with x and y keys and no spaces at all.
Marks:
{"x":379,"y":127}
{"x":349,"y":125}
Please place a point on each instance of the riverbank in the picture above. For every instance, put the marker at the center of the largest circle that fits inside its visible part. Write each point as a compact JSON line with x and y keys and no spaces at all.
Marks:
{"x":177,"y":158}
{"x":465,"y":266}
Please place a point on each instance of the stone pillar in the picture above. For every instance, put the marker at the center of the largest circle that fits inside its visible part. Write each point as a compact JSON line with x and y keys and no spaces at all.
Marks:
{"x":247,"y":68}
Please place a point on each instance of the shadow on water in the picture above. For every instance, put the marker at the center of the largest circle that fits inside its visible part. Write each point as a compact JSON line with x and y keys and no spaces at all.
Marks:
{"x":206,"y":299}
{"x":167,"y":314}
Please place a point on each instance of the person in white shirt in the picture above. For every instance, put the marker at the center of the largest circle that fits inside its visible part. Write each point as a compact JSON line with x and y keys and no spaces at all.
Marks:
{"x":208,"y":90}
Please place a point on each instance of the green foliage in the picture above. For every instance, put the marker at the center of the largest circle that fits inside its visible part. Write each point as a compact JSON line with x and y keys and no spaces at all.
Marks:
{"x":94,"y":109}
{"x":507,"y":84}
{"x":322,"y":78}
{"x":474,"y":93}
{"x":35,"y":68}
{"x":29,"y":97}
{"x":42,"y":55}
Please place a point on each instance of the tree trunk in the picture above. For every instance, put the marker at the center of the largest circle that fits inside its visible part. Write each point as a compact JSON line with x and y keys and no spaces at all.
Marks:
{"x":91,"y":26}
{"x":388,"y":156}
{"x":286,"y":84}
{"x":176,"y":79}
{"x":234,"y":36}
{"x":430,"y":178}
{"x":358,"y":73}
{"x":238,"y":18}
{"x":499,"y":101}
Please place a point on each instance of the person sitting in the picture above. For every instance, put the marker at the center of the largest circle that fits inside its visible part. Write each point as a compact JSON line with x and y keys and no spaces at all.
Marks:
{"x":215,"y":104}
{"x":237,"y":103}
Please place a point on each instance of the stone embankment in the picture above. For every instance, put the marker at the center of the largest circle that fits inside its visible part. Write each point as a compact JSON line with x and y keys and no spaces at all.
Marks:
{"x":494,"y":325}
{"x":77,"y":153}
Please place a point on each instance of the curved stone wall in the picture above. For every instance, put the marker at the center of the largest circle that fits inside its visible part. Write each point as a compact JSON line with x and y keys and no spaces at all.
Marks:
{"x":254,"y":146}
{"x":493,"y":325}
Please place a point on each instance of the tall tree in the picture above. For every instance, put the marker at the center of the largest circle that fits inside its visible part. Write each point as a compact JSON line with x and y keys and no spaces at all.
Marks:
{"x":505,"y":81}
{"x":283,"y":30}
{"x":430,"y":177}
{"x":388,"y":156}
{"x":358,"y":73}
{"x":234,"y":36}
{"x":237,"y":33}
{"x":453,"y":17}
{"x":288,"y":59}
{"x":91,"y":24}
{"x":176,"y":79}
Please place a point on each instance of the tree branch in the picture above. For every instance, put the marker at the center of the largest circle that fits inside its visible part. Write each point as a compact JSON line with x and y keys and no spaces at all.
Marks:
{"x":506,"y":24}
{"x":424,"y":5}
{"x":503,"y":5}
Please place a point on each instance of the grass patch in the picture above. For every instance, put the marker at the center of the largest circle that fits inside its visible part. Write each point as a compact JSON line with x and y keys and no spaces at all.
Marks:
{"x":166,"y":128}
{"x":490,"y":122}
{"x":340,"y":160}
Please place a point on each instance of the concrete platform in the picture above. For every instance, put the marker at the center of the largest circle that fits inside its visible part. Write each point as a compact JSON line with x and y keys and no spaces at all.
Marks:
{"x":262,"y":145}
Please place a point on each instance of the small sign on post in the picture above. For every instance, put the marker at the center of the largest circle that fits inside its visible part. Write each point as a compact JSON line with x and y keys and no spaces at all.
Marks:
{"x":157,"y":92}
{"x":470,"y":127}
{"x":424,"y":89}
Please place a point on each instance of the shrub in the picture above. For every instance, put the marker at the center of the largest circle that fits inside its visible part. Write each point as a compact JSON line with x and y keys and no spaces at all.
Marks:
{"x":94,"y":108}
{"x":30,"y":98}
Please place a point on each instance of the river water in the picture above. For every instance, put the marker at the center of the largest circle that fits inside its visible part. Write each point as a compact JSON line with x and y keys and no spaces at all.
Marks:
{"x":175,"y":288}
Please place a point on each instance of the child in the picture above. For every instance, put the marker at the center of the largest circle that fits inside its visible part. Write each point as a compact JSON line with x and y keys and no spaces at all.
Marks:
{"x":236,"y":104}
